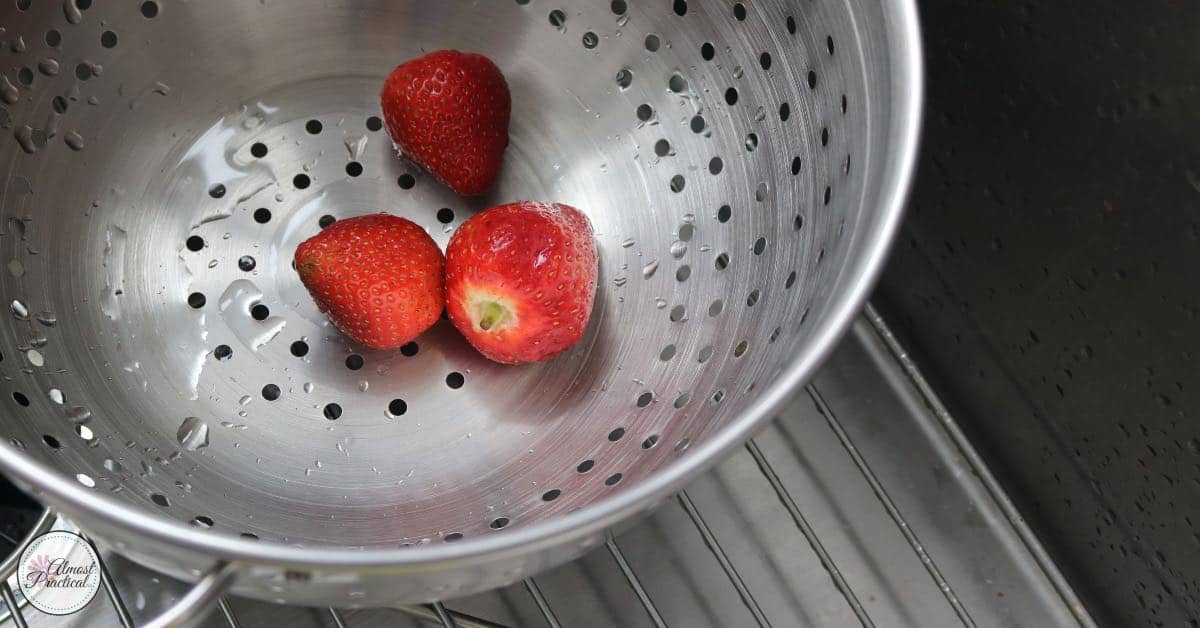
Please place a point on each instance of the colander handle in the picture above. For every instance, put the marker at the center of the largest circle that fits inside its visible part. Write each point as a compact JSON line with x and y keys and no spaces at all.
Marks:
{"x":198,"y":602}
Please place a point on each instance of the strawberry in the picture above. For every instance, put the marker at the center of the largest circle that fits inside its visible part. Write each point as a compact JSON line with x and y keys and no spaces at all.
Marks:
{"x":448,"y":111}
{"x":520,"y":280}
{"x":378,"y":277}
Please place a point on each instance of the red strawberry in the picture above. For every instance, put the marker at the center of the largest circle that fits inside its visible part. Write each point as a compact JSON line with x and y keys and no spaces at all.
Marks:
{"x":378,"y":277}
{"x":520,"y":280}
{"x":448,"y":111}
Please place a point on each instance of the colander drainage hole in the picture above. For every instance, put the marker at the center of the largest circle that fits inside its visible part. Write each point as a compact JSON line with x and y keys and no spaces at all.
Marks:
{"x":313,"y":127}
{"x":652,"y":42}
{"x":25,"y":76}
{"x":149,"y":9}
{"x":731,"y":96}
{"x":202,"y":521}
{"x":764,"y":60}
{"x":680,"y":7}
{"x":796,"y":164}
{"x":258,"y":150}
{"x":644,"y":399}
{"x":301,"y":181}
{"x":299,"y":348}
{"x":551,"y":495}
{"x":499,"y":523}
{"x":262,"y":215}
{"x":406,"y":181}
{"x":196,"y":300}
{"x":222,"y":352}
{"x":325,"y":221}
{"x":270,"y":392}
{"x":354,"y":362}
{"x":217,"y":190}
{"x":650,"y":441}
{"x":397,"y":407}
{"x":333,"y":411}
{"x":697,"y":124}
{"x":247,"y":263}
{"x":260,"y":312}
{"x":682,"y":445}
{"x":20,"y":398}
{"x":616,"y":434}
{"x":51,"y":441}
{"x":557,"y":18}
{"x":618,"y":7}
{"x":585,"y":466}
{"x":724,"y":213}
{"x":624,"y":80}
{"x":410,"y":349}
{"x":612,"y":479}
{"x":677,"y":83}
{"x":194,"y":243}
{"x":160,"y":500}
{"x":707,"y":52}
{"x":455,"y":380}
{"x":354,"y":169}
{"x":715,"y":166}
{"x":785,"y":112}
{"x":452,"y":537}
{"x":739,"y":12}
{"x":374,"y":123}
{"x":445,"y":215}
{"x":791,"y":25}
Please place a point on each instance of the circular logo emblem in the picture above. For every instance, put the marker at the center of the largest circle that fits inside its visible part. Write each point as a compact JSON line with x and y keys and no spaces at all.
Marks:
{"x":59,"y":573}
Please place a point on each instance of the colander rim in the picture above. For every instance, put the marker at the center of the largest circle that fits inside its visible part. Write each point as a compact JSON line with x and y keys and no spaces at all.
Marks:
{"x":902,"y":27}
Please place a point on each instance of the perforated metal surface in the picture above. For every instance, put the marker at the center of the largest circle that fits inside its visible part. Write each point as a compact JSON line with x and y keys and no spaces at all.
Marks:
{"x":740,"y":164}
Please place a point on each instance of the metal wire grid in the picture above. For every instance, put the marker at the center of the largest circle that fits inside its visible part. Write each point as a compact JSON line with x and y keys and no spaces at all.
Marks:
{"x":438,"y":614}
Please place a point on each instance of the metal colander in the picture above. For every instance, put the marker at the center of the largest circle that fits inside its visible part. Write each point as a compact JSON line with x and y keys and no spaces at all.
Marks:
{"x":169,"y":384}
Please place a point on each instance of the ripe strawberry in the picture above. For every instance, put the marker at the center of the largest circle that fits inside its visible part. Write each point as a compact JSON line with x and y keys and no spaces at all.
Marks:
{"x":378,"y":277}
{"x":448,"y":111}
{"x":520,"y":280}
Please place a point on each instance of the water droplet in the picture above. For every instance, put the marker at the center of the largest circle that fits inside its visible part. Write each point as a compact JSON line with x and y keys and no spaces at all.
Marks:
{"x":192,"y":434}
{"x":35,"y":357}
{"x":628,"y":243}
{"x":74,"y":140}
{"x":308,"y":387}
{"x":16,"y":268}
{"x":738,"y":72}
{"x":79,"y":415}
{"x":9,"y":92}
{"x":47,"y":318}
{"x":162,"y":89}
{"x":619,"y":281}
{"x":355,"y":144}
{"x":24,"y":136}
{"x":363,"y":386}
{"x":212,"y":263}
{"x":18,"y":44}
{"x":660,"y":302}
{"x":19,"y":309}
{"x":760,"y":114}
{"x":244,"y":400}
{"x":649,"y":269}
{"x":72,"y":12}
{"x":55,"y":395}
{"x":678,"y":249}
{"x":48,"y":66}
{"x":233,"y":426}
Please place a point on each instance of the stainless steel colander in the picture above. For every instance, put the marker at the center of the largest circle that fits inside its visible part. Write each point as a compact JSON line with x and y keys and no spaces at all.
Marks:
{"x":169,"y":384}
